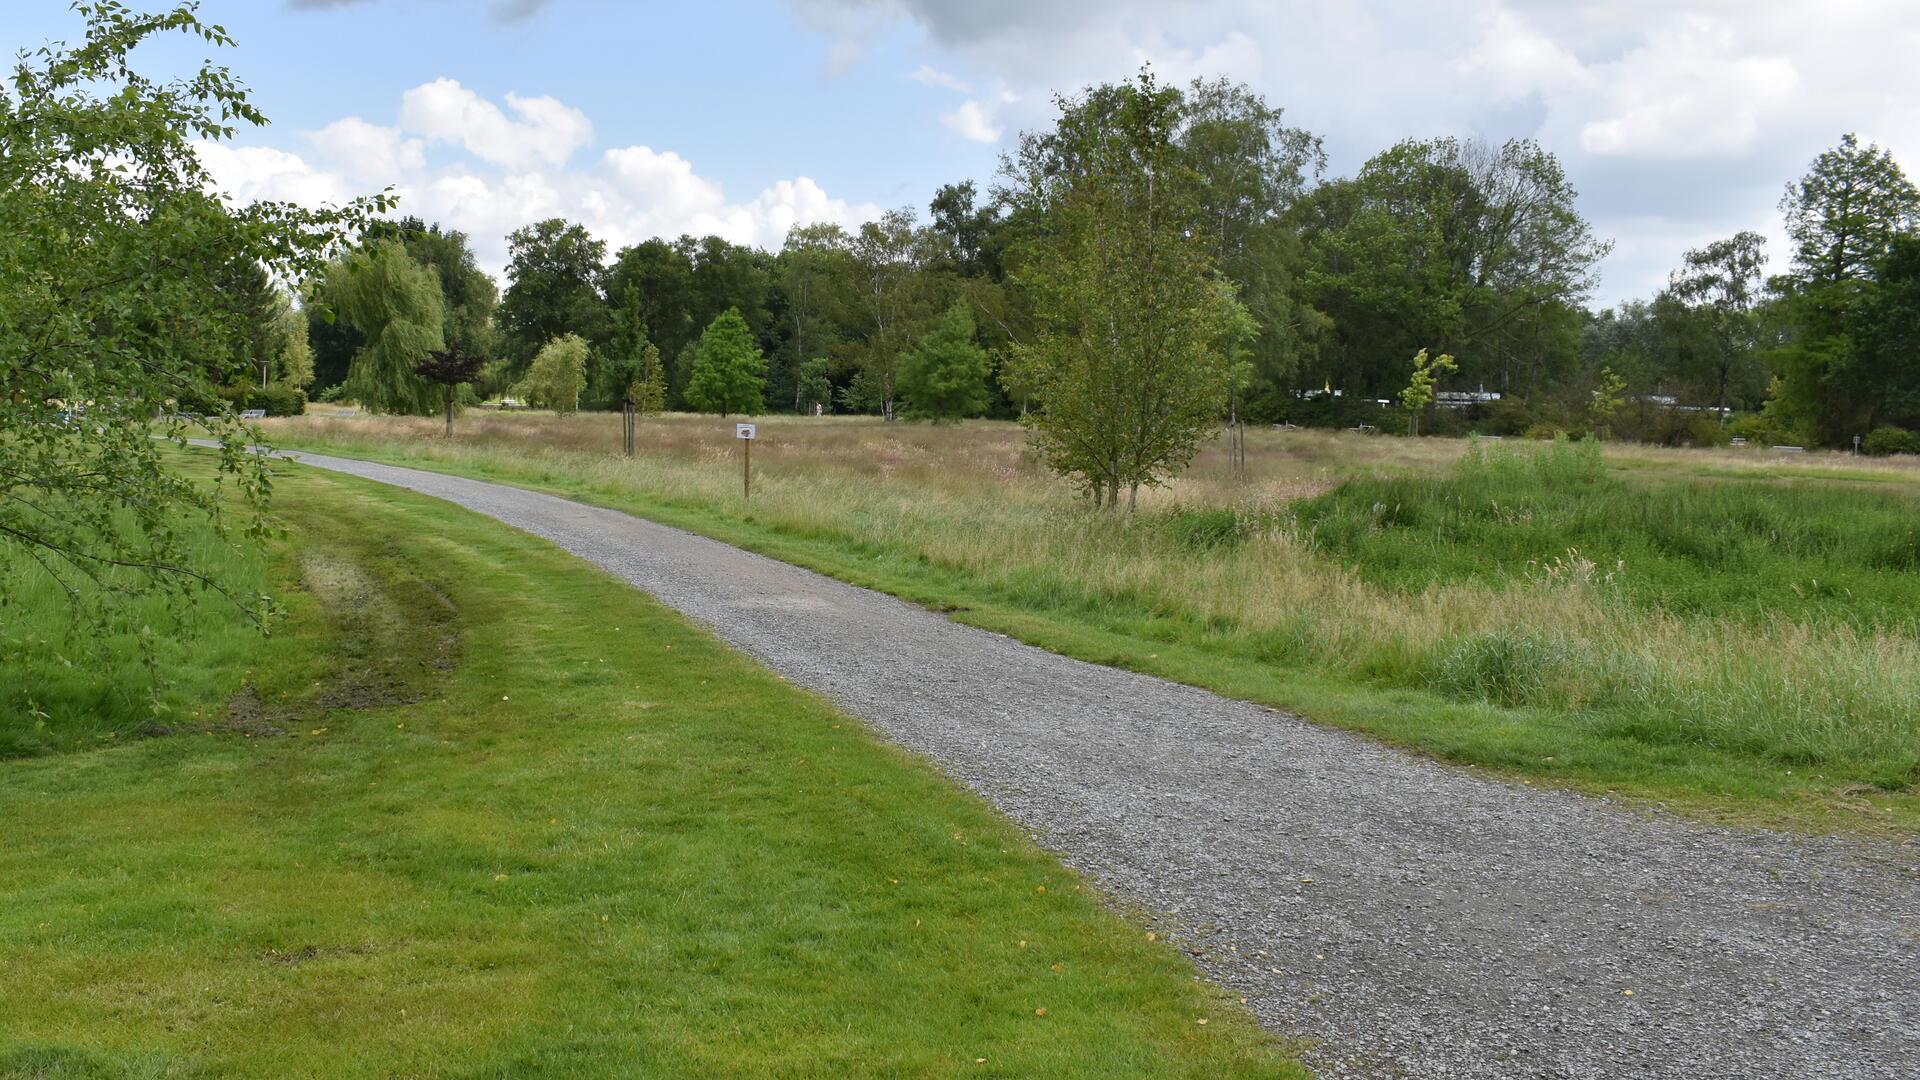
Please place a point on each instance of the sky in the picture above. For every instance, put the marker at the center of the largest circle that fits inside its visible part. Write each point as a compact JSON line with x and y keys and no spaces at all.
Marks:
{"x":1679,"y":121}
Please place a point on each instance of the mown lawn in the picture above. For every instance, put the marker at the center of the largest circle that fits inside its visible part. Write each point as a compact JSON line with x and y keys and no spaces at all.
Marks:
{"x":481,"y":811}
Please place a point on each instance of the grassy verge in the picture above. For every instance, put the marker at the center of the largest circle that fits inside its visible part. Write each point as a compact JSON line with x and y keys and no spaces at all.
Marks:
{"x":525,"y":822}
{"x":1728,"y":703}
{"x":65,"y":685}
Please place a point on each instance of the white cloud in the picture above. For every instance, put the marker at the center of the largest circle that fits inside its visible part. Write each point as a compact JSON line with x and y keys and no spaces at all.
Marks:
{"x":547,"y":132}
{"x":368,"y":152}
{"x":1690,"y":92}
{"x":929,"y":76}
{"x":972,"y":120}
{"x":254,"y":173}
{"x":1676,"y":119}
{"x":628,"y":194}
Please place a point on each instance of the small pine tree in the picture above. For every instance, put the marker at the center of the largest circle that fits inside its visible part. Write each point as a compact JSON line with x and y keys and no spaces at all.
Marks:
{"x":558,"y":375}
{"x":729,"y":371}
{"x":945,"y":376}
{"x":1427,"y":372}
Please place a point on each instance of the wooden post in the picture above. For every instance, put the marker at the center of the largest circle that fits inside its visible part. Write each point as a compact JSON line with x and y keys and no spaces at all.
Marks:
{"x":745,"y":434}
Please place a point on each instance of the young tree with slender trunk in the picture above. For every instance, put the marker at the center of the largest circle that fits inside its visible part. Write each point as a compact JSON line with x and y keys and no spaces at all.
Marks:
{"x":450,"y":369}
{"x":648,"y":391}
{"x":1419,"y":394}
{"x":1127,"y":371}
{"x":557,"y":375}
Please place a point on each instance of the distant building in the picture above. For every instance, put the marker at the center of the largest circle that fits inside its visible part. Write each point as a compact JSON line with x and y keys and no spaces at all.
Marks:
{"x":1464,"y":399}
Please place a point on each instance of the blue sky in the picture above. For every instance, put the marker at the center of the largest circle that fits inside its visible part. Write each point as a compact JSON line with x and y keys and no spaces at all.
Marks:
{"x":1680,"y":120}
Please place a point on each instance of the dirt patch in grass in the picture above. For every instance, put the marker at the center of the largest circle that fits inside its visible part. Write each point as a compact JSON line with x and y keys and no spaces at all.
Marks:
{"x":396,"y":636}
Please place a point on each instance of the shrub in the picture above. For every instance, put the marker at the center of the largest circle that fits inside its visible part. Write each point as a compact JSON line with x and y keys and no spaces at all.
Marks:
{"x":1507,"y":417}
{"x":1887,"y":440}
{"x":1706,"y":429}
{"x":1764,"y":430}
{"x":1544,"y":432}
{"x":278,"y":399}
{"x":1749,"y":426}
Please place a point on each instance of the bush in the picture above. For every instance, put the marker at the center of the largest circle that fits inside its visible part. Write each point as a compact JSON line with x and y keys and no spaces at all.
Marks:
{"x":1763,"y":430}
{"x":278,"y":399}
{"x":1507,"y":417}
{"x":1887,"y":440}
{"x":1706,"y":429}
{"x":1749,"y":426}
{"x":1544,"y":432}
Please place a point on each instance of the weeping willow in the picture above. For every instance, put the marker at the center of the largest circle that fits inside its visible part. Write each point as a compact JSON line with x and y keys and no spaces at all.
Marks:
{"x":395,"y":303}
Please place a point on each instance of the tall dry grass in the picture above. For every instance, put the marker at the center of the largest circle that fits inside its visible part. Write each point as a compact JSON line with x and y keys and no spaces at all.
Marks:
{"x":968,"y":500}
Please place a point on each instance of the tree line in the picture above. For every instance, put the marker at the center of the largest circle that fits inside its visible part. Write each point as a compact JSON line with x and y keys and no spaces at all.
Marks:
{"x":1465,"y":249}
{"x":1158,"y":260}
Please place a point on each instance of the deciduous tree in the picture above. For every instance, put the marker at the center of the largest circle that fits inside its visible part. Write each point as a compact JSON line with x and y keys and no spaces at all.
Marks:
{"x":1419,"y":394}
{"x":450,"y":369}
{"x":945,"y":376}
{"x":554,"y":276}
{"x":395,"y":304}
{"x":728,"y":371}
{"x":1126,"y":372}
{"x":648,"y":392}
{"x":557,"y":375}
{"x":815,"y":388}
{"x":1719,"y":287}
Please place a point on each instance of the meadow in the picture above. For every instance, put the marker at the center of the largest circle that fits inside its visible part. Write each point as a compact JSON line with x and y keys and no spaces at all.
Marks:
{"x":1729,"y":632}
{"x":476,"y":809}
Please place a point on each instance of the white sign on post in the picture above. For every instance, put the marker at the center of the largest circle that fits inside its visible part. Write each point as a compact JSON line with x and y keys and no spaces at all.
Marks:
{"x":744,"y":431}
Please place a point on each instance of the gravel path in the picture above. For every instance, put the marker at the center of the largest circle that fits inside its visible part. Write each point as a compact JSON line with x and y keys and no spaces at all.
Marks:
{"x":1415,"y":919}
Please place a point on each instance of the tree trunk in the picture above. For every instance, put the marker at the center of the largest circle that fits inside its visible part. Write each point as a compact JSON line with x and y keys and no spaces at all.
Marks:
{"x":449,"y":412}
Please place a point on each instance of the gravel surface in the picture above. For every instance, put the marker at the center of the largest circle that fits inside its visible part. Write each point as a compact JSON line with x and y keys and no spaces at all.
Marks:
{"x":1412,"y":918}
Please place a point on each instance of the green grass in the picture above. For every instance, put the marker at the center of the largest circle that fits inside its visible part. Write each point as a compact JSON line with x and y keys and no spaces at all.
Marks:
{"x":1763,"y":550}
{"x":1436,"y":626}
{"x":64,"y":684}
{"x":524,"y":821}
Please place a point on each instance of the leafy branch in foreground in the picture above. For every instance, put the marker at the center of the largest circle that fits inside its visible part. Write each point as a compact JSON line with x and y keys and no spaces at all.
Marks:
{"x":122,"y":308}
